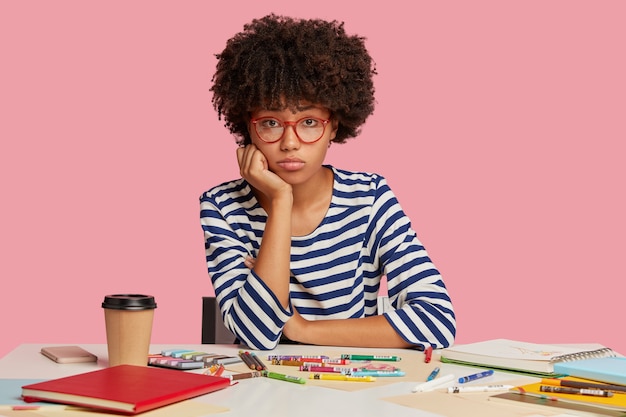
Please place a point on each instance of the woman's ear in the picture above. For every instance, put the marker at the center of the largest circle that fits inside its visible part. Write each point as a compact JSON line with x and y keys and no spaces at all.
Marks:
{"x":335,"y":126}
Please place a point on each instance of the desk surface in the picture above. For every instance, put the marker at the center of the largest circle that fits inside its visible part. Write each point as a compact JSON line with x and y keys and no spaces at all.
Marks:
{"x":261,"y":397}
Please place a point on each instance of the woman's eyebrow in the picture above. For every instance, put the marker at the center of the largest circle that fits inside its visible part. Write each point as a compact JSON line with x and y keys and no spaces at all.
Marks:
{"x":297,"y":108}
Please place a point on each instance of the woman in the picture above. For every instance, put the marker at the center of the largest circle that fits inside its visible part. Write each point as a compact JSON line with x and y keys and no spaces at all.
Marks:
{"x":296,"y":248}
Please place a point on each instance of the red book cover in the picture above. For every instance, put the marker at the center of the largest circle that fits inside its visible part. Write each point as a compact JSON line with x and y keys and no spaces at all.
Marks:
{"x":124,"y":388}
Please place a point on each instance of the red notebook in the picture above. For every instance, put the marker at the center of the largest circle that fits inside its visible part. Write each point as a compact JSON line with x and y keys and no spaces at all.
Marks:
{"x":124,"y":388}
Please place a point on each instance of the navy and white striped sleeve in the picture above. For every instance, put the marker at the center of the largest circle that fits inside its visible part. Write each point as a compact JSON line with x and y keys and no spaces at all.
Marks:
{"x":423,"y":313}
{"x":249,"y":309}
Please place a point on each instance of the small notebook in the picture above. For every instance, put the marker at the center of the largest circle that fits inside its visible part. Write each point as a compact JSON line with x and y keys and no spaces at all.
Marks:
{"x":522,"y":357}
{"x":611,"y":370}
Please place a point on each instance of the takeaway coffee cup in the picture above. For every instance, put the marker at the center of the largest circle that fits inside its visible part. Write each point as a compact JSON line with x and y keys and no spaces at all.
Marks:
{"x":128,"y":319}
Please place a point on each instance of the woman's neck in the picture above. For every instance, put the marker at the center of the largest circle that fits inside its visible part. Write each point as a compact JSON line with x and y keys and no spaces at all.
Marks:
{"x":317,"y":188}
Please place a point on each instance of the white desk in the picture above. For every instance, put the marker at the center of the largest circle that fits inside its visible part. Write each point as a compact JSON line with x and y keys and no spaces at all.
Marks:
{"x":262,"y":397}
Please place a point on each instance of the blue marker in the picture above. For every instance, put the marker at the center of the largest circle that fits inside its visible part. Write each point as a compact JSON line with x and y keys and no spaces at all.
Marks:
{"x":433,"y":374}
{"x":474,"y":377}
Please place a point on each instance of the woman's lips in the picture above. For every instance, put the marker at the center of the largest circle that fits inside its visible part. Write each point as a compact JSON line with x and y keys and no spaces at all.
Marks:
{"x":291,"y":164}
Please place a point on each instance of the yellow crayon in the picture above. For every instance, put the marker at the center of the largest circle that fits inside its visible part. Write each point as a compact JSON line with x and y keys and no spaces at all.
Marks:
{"x":341,"y":377}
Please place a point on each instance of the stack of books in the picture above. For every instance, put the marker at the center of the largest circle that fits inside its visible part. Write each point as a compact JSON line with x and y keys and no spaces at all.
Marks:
{"x":582,"y":380}
{"x":595,"y":386}
{"x":571,"y":395}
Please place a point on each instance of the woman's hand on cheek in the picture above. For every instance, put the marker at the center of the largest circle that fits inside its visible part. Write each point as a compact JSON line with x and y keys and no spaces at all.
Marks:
{"x":254,"y":168}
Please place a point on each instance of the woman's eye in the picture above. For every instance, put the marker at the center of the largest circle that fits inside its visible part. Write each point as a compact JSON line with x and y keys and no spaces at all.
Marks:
{"x":270,"y":123}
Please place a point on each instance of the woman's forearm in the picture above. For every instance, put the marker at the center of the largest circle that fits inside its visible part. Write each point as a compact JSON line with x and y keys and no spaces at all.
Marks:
{"x":272,"y":263}
{"x":372,"y":331}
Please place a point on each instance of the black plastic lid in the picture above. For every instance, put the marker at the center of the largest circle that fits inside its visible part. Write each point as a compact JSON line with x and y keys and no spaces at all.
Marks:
{"x":129,"y":302}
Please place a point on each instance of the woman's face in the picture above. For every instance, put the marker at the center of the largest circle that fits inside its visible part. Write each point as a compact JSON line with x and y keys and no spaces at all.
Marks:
{"x":294,"y":142}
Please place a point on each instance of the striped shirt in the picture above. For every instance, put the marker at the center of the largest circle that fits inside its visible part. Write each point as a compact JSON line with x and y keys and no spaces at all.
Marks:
{"x":335,"y":271}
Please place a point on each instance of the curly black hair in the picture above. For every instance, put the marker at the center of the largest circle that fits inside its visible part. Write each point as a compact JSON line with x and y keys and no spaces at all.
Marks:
{"x":277,"y":61}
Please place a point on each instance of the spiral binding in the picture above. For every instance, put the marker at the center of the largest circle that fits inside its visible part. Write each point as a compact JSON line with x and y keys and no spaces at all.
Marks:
{"x":591,"y":354}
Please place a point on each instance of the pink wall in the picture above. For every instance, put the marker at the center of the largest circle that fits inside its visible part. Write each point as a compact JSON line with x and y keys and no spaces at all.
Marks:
{"x":500,"y":126}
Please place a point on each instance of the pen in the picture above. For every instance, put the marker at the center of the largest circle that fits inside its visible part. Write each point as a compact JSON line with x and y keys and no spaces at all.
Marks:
{"x":283,"y":377}
{"x":581,"y":391}
{"x":310,"y":362}
{"x":211,"y":369}
{"x":309,"y":359}
{"x":219,"y":371}
{"x":368,"y":372}
{"x":245,"y":375}
{"x":429,"y":354}
{"x":336,"y":369}
{"x":337,"y":361}
{"x":255,"y":364}
{"x":581,"y":384}
{"x":303,"y":358}
{"x":371,"y":358}
{"x":342,"y":377}
{"x":435,"y":383}
{"x":474,"y":377}
{"x":433,"y":374}
{"x":486,"y":388}
{"x":288,"y":362}
{"x":247,"y":359}
{"x":260,"y":365}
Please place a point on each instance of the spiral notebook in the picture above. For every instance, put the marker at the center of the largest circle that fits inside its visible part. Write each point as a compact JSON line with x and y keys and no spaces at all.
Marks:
{"x":522,"y":357}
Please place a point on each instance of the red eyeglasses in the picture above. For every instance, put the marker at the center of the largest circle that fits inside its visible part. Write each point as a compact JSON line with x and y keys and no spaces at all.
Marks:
{"x":307,"y":129}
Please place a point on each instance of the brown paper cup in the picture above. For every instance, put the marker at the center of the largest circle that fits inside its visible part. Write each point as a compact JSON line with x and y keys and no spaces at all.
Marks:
{"x":128,"y":319}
